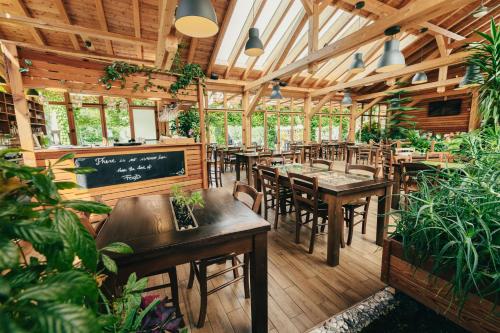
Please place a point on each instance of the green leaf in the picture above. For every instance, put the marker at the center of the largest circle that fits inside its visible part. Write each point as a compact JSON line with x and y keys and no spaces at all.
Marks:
{"x":87,"y":206}
{"x":9,"y":256}
{"x":35,"y":233}
{"x":46,"y":186}
{"x":109,"y":263}
{"x":65,"y":158}
{"x":118,"y":247}
{"x":65,"y":318}
{"x":4,"y":288}
{"x":80,"y":170}
{"x":66,"y":185}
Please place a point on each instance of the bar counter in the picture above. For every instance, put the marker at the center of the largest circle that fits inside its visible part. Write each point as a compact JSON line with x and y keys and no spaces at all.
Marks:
{"x":127,"y":171}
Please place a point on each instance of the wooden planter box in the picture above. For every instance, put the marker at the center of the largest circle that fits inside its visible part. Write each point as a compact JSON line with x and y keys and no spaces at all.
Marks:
{"x":432,"y":291}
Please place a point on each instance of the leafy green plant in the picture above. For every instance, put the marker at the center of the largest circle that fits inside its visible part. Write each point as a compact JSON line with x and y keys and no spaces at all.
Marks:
{"x":399,"y":119}
{"x":368,"y":133}
{"x":58,"y":288}
{"x":486,"y":55}
{"x":188,"y":123}
{"x":188,"y":200}
{"x":453,"y":220}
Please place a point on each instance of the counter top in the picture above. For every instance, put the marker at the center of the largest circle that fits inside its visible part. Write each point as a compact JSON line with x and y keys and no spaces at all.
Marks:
{"x":87,"y":149}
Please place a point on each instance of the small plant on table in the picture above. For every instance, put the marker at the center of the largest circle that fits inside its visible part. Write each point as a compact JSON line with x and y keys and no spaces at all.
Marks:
{"x":183,"y":204}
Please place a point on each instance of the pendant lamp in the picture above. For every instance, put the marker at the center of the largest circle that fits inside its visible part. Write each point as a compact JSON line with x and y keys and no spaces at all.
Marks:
{"x":419,"y":77}
{"x":358,"y":64}
{"x":392,"y":58}
{"x":347,"y":100}
{"x":472,"y":77}
{"x":480,"y":11}
{"x":2,"y":81}
{"x":32,"y":92}
{"x":276,"y":93}
{"x":254,"y":46}
{"x":196,"y":18}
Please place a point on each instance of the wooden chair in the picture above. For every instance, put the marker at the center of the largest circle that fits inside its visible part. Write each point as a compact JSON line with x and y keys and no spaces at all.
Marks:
{"x":289,"y":158}
{"x":327,"y":163}
{"x":435,"y":156}
{"x":350,"y":209}
{"x":387,"y":163}
{"x":215,"y":166}
{"x":230,"y":158}
{"x":364,"y":155}
{"x":307,"y":204}
{"x":199,"y":268}
{"x":275,"y":195}
{"x":409,"y":175}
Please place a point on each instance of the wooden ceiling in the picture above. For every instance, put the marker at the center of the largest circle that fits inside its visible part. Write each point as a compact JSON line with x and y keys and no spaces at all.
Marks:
{"x":129,"y":30}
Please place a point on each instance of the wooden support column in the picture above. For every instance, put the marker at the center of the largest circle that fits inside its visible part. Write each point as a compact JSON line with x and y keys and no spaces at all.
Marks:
{"x":131,"y":119}
{"x":20,"y":103}
{"x":307,"y":117}
{"x":351,"y":137}
{"x":474,"y":117}
{"x":313,"y":38}
{"x":71,"y":119}
{"x":203,"y":135}
{"x":340,"y":123}
{"x":104,"y":127}
{"x":246,"y":121}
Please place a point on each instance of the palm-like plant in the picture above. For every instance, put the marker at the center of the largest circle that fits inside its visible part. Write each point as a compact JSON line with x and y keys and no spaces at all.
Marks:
{"x":486,"y":56}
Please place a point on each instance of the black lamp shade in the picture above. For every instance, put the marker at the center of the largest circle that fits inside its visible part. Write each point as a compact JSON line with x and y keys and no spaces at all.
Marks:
{"x":358,"y":64}
{"x":419,"y":77}
{"x":347,"y":100}
{"x":32,"y":92}
{"x":2,"y":81}
{"x":392,"y":58}
{"x":254,"y":46}
{"x":276,"y":93}
{"x":196,"y":18}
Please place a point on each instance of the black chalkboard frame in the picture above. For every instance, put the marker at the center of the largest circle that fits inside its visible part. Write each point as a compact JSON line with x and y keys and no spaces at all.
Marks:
{"x":131,"y":152}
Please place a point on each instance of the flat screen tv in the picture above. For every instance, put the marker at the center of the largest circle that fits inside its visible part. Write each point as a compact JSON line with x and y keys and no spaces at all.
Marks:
{"x":445,"y":108}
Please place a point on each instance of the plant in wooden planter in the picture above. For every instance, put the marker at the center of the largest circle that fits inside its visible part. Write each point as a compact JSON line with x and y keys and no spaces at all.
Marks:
{"x":57,"y":286}
{"x":451,"y":231}
{"x":182,"y":207}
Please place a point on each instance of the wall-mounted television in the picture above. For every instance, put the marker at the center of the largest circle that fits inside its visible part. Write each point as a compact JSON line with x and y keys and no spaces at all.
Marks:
{"x":445,"y":108}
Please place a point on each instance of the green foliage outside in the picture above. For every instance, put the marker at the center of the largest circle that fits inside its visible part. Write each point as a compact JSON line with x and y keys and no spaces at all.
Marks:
{"x":345,"y":125}
{"x":189,"y":123}
{"x":314,"y":127}
{"x":61,"y":291}
{"x":257,"y":120}
{"x":88,"y":125}
{"x":234,"y":127}
{"x":272,"y":130}
{"x":215,"y":123}
{"x":453,"y":218}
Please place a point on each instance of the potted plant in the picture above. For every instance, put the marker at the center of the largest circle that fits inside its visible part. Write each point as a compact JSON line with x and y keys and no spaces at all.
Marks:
{"x":444,"y":251}
{"x":182,"y":207}
{"x":188,"y":123}
{"x":51,"y":273}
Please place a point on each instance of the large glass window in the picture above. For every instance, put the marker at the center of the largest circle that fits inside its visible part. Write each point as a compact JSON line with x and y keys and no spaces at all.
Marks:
{"x":325,"y":127}
{"x":272,"y":131}
{"x":117,"y":123}
{"x":285,"y":130}
{"x":298,"y":128}
{"x":88,"y":125}
{"x":315,"y":128}
{"x":234,"y":129}
{"x":258,"y":128}
{"x":216,"y":131}
{"x":57,"y":124}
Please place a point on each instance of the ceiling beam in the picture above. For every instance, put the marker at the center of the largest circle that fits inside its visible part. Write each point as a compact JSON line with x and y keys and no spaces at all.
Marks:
{"x":136,"y":12}
{"x":256,"y":99}
{"x":308,"y":6}
{"x":322,"y":102}
{"x":37,"y":34}
{"x":411,"y":14}
{"x":443,"y":51}
{"x":313,"y":33}
{"x":74,"y":29}
{"x":192,"y":50}
{"x":166,"y":12}
{"x":220,"y":35}
{"x":423,"y":66}
{"x":64,"y":14}
{"x":101,"y":17}
{"x":242,"y":83}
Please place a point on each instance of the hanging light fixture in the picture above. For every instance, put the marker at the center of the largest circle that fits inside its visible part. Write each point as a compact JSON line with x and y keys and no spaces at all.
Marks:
{"x":276,"y":93}
{"x":254,"y":46}
{"x":347,"y":100}
{"x":2,"y":81}
{"x":420,"y":77}
{"x":392,"y":58}
{"x":472,"y":77}
{"x":32,"y":92}
{"x":480,"y":11}
{"x":196,"y":18}
{"x":358,"y":65}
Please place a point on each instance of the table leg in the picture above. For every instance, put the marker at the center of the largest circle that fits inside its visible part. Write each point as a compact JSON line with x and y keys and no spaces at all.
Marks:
{"x":238,"y":168}
{"x":258,"y":283}
{"x":383,"y":209}
{"x":250,"y":163}
{"x":335,"y":228}
{"x":396,"y":187}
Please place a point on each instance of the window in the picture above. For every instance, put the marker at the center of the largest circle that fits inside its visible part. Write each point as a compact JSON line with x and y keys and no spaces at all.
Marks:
{"x":325,"y":127}
{"x":285,"y":130}
{"x":258,"y":128}
{"x":144,"y":124}
{"x":272,"y":130}
{"x":315,"y":128}
{"x":298,"y":128}
{"x":117,"y":124}
{"x":216,"y":133}
{"x":56,"y":119}
{"x":234,"y":128}
{"x":88,"y":125}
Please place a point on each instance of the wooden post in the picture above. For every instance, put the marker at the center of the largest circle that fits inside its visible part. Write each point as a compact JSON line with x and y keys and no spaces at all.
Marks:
{"x":203,"y":136}
{"x":104,"y":127}
{"x":131,"y":119}
{"x":71,"y":119}
{"x":307,"y":118}
{"x":20,"y":103}
{"x":246,"y":121}
{"x":474,"y":116}
{"x":351,"y":137}
{"x":224,"y":104}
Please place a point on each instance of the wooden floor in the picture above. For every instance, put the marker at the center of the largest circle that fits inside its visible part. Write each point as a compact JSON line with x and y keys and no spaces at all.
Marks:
{"x":303,"y":290}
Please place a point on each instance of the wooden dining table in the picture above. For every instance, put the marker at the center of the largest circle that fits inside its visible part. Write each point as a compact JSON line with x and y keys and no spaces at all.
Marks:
{"x":338,"y":188}
{"x":226,"y":225}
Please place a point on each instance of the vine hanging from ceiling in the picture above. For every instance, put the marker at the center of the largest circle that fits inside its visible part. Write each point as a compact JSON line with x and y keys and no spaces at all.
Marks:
{"x":185,"y":74}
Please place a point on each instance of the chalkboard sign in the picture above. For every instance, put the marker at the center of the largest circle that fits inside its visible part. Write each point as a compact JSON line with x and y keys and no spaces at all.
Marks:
{"x":131,"y":168}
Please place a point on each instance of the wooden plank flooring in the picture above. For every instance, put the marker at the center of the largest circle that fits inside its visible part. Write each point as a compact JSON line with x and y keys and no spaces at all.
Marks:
{"x":303,"y":290}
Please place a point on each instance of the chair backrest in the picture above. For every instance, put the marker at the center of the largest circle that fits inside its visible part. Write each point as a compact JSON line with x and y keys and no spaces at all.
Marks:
{"x":219,"y":156}
{"x":210,"y":152}
{"x":265,"y":161}
{"x":269,"y":179}
{"x":410,"y":173}
{"x":251,"y":192}
{"x":387,"y":160}
{"x":373,"y":170}
{"x":434,"y":156}
{"x":290,"y":157}
{"x":328,"y":163}
{"x":263,"y":156}
{"x":305,"y":192}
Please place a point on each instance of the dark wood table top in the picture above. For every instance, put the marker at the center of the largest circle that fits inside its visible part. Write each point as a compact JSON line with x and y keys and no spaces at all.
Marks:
{"x":146,"y":223}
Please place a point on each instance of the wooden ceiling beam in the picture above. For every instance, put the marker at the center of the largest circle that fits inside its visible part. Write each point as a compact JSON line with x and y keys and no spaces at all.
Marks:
{"x":220,"y":35}
{"x":37,"y":34}
{"x":192,"y":50}
{"x":64,"y":14}
{"x":423,"y":66}
{"x":240,"y":42}
{"x":308,"y":6}
{"x":165,"y":52}
{"x":136,"y":13}
{"x":101,"y":17}
{"x":443,"y":51}
{"x":255,"y":101}
{"x":313,"y":33}
{"x":411,"y":14}
{"x":73,"y":29}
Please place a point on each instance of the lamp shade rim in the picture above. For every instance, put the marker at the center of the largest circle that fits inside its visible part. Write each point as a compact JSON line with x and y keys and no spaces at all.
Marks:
{"x":196,"y":18}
